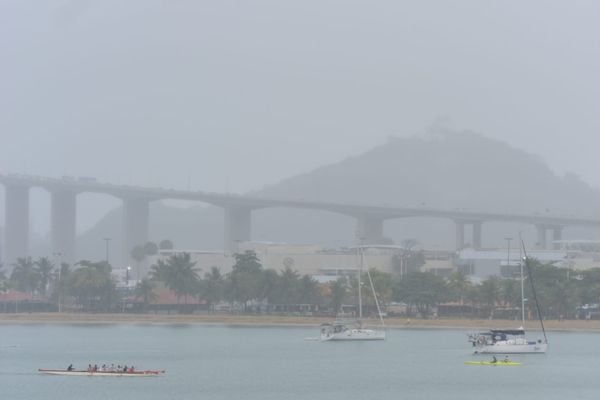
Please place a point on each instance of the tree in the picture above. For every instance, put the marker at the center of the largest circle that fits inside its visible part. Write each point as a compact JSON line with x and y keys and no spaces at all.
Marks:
{"x":288,"y":286}
{"x":510,"y":292}
{"x":145,"y":290}
{"x":424,"y":290}
{"x":407,"y":261}
{"x":45,"y":268}
{"x":269,"y":286}
{"x":150,"y":249}
{"x":308,"y":291}
{"x":2,"y":273}
{"x":213,"y":286}
{"x":489,"y":293}
{"x":556,"y":292}
{"x":338,"y":291}
{"x":179,"y":274}
{"x":384,"y":288}
{"x":25,"y":277}
{"x":166,"y":244}
{"x":458,"y":285}
{"x":92,"y":286}
{"x":138,"y":253}
{"x":244,"y":279}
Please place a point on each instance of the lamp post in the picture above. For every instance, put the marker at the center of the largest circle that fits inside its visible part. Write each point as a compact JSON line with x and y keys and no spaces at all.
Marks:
{"x":508,"y":239}
{"x":107,"y":241}
{"x":127,"y":276}
{"x":59,"y":283}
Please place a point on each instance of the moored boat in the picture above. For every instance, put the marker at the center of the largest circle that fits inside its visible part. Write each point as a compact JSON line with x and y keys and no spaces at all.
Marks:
{"x":353,"y":330}
{"x":350,"y":330}
{"x":506,"y":341}
{"x":513,"y":341}
{"x":132,"y":374}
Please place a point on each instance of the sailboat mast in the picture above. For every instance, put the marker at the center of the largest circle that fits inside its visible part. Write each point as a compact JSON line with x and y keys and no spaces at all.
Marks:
{"x":537,"y":305}
{"x":360,"y":283}
{"x":522,"y":290}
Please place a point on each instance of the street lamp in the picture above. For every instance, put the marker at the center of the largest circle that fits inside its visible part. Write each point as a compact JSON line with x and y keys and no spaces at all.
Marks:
{"x":57,"y":256}
{"x":508,"y":239}
{"x":127,"y":276}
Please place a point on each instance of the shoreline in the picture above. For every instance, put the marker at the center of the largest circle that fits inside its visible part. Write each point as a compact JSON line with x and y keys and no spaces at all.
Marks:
{"x":291,"y":321}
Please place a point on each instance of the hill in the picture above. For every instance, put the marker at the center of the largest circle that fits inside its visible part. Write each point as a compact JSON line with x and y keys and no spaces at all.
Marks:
{"x":440,"y":168}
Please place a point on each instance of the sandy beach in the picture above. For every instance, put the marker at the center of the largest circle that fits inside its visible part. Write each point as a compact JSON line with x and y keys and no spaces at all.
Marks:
{"x":274,"y":320}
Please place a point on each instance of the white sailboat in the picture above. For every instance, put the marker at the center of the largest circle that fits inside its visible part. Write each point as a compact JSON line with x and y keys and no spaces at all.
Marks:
{"x":512,"y":341}
{"x":353,"y":330}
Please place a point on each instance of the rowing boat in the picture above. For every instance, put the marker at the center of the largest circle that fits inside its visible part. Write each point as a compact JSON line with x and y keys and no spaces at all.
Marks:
{"x":133,"y":374}
{"x":497,"y":363}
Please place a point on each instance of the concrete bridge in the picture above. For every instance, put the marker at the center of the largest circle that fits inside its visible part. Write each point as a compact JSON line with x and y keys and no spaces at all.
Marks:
{"x":237,"y":210}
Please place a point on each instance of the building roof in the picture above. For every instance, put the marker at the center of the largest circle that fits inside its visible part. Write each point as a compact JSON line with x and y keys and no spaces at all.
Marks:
{"x":15,"y":295}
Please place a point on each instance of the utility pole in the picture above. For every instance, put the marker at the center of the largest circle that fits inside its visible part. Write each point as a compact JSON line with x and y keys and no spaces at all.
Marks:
{"x":508,"y":239}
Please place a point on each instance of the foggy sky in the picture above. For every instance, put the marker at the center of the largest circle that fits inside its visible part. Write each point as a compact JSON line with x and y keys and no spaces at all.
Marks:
{"x":233,"y":95}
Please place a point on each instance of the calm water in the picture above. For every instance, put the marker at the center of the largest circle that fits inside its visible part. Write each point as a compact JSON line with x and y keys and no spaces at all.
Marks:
{"x":278,"y":363}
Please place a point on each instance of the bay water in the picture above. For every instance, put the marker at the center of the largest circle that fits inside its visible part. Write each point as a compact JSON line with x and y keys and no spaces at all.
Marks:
{"x":261,"y":363}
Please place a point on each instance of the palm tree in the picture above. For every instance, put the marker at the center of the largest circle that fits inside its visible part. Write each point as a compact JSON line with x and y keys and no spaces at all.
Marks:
{"x":458,"y":284}
{"x":213,"y":287}
{"x":25,"y":276}
{"x":145,"y":290}
{"x":138,"y":253}
{"x":45,"y":268}
{"x":244,"y":279}
{"x":178,"y":273}
{"x":92,"y":285}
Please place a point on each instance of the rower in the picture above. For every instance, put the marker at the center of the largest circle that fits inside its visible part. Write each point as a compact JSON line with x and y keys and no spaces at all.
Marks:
{"x":70,"y":367}
{"x":494,"y":359}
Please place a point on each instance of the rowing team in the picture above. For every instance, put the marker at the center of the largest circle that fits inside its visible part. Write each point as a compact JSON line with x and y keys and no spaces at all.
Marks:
{"x":105,"y":368}
{"x":495,"y":360}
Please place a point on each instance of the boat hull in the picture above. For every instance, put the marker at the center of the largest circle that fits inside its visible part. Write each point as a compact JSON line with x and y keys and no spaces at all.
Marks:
{"x":502,"y":348}
{"x":353,"y":334}
{"x":136,"y":374}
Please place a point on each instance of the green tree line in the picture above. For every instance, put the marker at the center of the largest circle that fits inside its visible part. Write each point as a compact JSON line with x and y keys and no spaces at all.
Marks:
{"x":88,"y":286}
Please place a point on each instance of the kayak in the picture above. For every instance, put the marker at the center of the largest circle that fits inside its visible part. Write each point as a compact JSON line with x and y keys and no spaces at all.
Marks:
{"x":133,"y":374}
{"x":497,"y":363}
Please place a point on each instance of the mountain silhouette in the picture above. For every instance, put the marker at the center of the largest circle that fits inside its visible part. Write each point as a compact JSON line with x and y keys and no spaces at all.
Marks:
{"x":440,"y":168}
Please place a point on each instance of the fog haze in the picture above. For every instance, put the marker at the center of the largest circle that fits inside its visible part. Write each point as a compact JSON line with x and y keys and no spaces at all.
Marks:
{"x":231,"y":95}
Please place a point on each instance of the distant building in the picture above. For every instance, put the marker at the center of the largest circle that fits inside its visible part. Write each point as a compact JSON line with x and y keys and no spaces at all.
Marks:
{"x":305,"y":259}
{"x":483,"y":264}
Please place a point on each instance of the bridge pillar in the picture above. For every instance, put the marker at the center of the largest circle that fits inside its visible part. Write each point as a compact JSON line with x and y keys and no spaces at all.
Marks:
{"x":541,"y":236}
{"x":556,"y":235}
{"x":477,"y":234}
{"x":16,"y":232}
{"x":369,"y":229}
{"x":136,"y":212}
{"x":460,"y":235}
{"x":63,"y":215}
{"x":238,"y":222}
